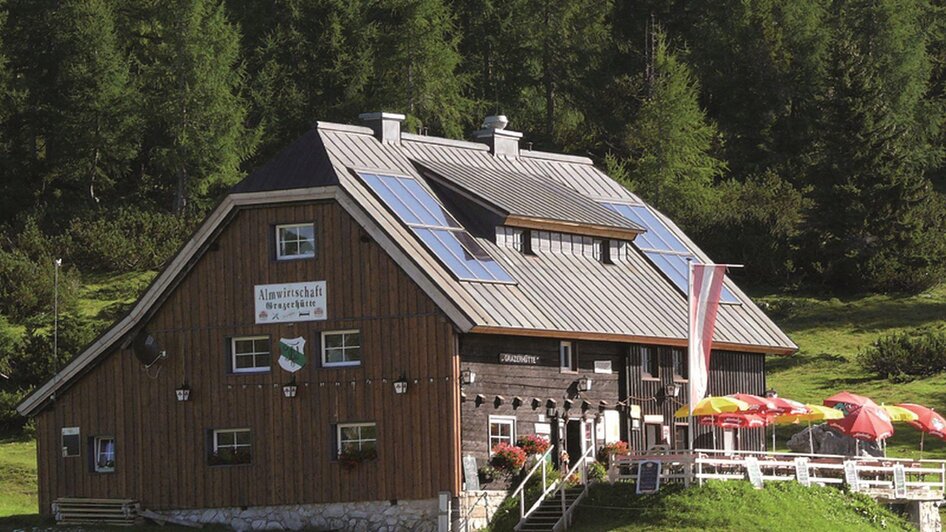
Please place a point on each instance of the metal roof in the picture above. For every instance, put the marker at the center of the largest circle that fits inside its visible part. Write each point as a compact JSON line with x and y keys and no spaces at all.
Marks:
{"x":529,"y":195}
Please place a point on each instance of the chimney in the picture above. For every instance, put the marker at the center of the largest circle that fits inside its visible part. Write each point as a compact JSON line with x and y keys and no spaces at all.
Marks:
{"x":386,"y":126}
{"x":500,"y":141}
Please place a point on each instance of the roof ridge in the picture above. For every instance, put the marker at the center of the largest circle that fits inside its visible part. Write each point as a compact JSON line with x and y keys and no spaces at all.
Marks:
{"x":347,"y":128}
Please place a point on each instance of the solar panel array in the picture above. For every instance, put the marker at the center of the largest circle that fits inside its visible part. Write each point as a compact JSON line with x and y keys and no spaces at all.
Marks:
{"x":662,"y":247}
{"x":436,"y":228}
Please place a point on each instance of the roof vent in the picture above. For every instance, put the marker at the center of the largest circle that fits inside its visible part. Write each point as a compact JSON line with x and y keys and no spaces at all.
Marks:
{"x":386,"y":126}
{"x":501,"y":142}
{"x":495,"y":122}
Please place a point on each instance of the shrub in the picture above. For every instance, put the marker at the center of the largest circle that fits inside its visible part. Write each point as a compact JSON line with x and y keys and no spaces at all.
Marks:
{"x":487,"y":474}
{"x":533,"y":444}
{"x":508,"y":459}
{"x":127,"y":240}
{"x":597,"y":471}
{"x":901,"y":356}
{"x":606,"y":450}
{"x":27,"y":275}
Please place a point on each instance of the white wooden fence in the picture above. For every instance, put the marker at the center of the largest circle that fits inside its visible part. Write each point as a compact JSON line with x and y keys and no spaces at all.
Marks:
{"x":885,"y":478}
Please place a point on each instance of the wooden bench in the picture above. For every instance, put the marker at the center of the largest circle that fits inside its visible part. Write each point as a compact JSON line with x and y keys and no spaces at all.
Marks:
{"x":112,"y":512}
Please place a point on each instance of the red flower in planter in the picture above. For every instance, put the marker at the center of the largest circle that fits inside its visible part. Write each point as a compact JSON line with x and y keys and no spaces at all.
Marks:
{"x":533,"y":444}
{"x":508,"y":458}
{"x":605,"y":451}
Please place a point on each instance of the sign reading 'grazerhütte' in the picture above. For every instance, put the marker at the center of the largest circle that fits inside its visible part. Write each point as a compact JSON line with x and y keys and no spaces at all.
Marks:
{"x":287,"y":302}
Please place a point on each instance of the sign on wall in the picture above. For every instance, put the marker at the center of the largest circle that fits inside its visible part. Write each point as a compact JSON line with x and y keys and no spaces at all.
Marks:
{"x":519,"y":358}
{"x":292,"y":354}
{"x":290,"y":302}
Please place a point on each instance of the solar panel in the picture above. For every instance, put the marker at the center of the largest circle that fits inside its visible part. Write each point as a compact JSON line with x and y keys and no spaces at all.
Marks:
{"x":662,"y":247}
{"x":436,"y":228}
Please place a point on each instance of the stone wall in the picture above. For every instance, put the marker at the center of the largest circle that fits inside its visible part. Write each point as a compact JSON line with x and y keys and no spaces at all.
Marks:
{"x":925,"y":515}
{"x":382,"y":516}
{"x":477,"y":508}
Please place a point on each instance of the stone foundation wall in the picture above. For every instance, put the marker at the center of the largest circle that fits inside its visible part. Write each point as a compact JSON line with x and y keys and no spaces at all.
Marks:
{"x":382,"y":516}
{"x":479,"y":507}
{"x":925,"y":515}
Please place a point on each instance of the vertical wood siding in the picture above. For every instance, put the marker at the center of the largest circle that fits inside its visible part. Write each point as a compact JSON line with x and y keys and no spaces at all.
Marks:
{"x":162,"y":445}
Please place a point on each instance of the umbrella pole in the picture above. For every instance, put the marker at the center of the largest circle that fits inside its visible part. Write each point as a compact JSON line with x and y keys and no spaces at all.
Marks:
{"x":922,"y":434}
{"x":773,"y":438}
{"x":811,"y":439}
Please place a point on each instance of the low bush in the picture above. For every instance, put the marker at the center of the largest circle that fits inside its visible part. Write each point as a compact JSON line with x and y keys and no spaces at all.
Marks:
{"x":903,"y":356}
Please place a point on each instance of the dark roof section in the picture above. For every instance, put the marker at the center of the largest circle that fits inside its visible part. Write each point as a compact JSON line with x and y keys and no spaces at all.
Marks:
{"x":303,"y":164}
{"x":526,"y":195}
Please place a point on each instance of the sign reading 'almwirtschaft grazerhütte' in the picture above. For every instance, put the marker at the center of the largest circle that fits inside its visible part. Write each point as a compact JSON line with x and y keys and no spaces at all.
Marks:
{"x":287,"y":302}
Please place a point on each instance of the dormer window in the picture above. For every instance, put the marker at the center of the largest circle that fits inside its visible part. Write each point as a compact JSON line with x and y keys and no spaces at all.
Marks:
{"x":525,"y":242}
{"x":602,"y":251}
{"x":295,"y":241}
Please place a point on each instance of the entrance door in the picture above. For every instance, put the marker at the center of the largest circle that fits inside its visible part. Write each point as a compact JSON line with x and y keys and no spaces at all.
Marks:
{"x":651,"y":435}
{"x":574,"y":432}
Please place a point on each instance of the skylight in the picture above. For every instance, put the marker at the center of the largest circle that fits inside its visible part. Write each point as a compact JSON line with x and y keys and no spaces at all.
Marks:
{"x":436,"y":228}
{"x":662,"y":247}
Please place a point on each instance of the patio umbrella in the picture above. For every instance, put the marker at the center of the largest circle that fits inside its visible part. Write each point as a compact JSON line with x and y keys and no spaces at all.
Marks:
{"x":782,"y":406}
{"x":815,"y":413}
{"x":756,"y":404}
{"x":733,"y":420}
{"x":898,"y":413}
{"x":866,"y":423}
{"x":712,"y":405}
{"x":848,"y":402}
{"x":927,"y":421}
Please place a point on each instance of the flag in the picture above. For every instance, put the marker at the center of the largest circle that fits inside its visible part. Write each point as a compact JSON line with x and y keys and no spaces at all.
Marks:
{"x":291,"y":354}
{"x":706,"y":284}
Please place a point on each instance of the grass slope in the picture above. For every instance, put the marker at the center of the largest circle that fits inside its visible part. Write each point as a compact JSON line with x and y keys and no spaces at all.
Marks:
{"x":732,"y":506}
{"x":18,"y":478}
{"x":830,"y":332}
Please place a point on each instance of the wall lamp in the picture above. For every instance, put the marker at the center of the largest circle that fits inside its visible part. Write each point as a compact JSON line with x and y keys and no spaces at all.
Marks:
{"x":400,"y":386}
{"x":183,"y":393}
{"x":584,"y":384}
{"x":467,"y":376}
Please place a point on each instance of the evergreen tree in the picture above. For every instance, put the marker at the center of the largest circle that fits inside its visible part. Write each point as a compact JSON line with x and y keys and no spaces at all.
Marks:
{"x":416,"y":65}
{"x":671,"y":142}
{"x":197,"y":136}
{"x":877,"y":223}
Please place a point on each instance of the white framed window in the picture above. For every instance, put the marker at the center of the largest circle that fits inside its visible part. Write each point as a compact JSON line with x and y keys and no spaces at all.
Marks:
{"x":295,"y":241}
{"x":680,"y":366}
{"x":250,"y":354}
{"x":70,"y":442}
{"x":104,"y":449}
{"x":357,"y":436}
{"x":567,"y":358}
{"x":502,"y":429}
{"x":231,"y":446}
{"x":341,"y":348}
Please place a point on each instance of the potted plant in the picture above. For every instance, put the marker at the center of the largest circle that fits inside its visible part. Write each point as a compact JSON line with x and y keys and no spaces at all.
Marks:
{"x":533,"y":444}
{"x":351,"y":457}
{"x":508,"y":459}
{"x":230,"y":457}
{"x":487,"y":474}
{"x":606,"y":450}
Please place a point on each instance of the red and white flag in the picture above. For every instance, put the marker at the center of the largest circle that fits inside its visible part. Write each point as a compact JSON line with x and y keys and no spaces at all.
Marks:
{"x":706,"y":284}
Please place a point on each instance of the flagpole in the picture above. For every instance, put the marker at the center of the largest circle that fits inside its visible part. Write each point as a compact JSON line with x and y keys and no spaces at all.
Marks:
{"x":690,"y":403}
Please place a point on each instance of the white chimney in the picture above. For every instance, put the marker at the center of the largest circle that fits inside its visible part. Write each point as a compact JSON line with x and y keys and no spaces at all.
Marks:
{"x":386,"y":126}
{"x":500,"y":141}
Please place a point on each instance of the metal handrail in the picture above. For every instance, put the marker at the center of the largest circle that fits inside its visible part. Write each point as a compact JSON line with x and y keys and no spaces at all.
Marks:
{"x":583,"y":462}
{"x":521,"y":491}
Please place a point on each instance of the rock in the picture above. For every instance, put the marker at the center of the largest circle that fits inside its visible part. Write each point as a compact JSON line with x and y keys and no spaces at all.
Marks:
{"x":830,"y":441}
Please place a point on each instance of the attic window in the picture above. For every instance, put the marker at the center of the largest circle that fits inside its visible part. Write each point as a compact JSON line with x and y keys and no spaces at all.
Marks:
{"x":525,"y":242}
{"x":602,"y":251}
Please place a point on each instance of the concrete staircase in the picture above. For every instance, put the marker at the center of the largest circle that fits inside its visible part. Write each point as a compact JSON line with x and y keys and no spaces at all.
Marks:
{"x":549,"y":513}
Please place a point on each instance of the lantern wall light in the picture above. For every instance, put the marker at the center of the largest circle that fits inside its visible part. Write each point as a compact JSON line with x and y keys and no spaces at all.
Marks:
{"x":183,"y":393}
{"x":400,"y":386}
{"x":290,"y":390}
{"x":467,"y":376}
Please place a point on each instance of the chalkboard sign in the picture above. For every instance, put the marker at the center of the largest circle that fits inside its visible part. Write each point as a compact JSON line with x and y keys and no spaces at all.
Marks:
{"x":850,"y":476}
{"x":754,"y":472}
{"x":899,"y":481}
{"x":470,"y":473}
{"x":802,"y":473}
{"x":648,"y":476}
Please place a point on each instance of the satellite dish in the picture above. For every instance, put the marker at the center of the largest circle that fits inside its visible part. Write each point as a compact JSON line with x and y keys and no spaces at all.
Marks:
{"x":147,"y":350}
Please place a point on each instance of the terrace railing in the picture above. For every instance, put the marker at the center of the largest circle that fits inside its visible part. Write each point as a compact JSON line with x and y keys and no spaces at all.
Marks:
{"x":885,"y":478}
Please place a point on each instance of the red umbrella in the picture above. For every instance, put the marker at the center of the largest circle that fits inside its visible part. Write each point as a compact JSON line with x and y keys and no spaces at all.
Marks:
{"x":928,"y":422}
{"x":734,"y":420}
{"x":786,"y":406}
{"x":756,"y":404}
{"x":848,"y":402}
{"x":870,"y":424}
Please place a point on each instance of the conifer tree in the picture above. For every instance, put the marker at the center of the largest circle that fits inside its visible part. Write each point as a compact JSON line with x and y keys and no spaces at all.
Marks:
{"x":192,"y":78}
{"x":671,"y":142}
{"x":877,"y":222}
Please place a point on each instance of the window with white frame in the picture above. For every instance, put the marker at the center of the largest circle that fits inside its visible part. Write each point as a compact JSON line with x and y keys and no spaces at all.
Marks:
{"x":341,"y":348}
{"x":295,"y":241}
{"x":231,"y":446}
{"x":104,"y":449}
{"x":357,"y":437}
{"x":250,"y":354}
{"x":70,"y":442}
{"x":569,"y":362}
{"x":502,"y":429}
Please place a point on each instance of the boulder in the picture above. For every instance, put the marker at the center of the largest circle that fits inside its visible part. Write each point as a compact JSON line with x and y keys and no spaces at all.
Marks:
{"x":831,"y":441}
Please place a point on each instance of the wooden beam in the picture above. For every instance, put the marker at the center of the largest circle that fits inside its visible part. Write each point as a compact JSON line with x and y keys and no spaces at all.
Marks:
{"x":629,"y":338}
{"x":602,"y":231}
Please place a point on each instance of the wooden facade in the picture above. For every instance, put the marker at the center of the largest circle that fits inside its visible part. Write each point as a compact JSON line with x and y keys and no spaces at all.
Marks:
{"x":162,"y":444}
